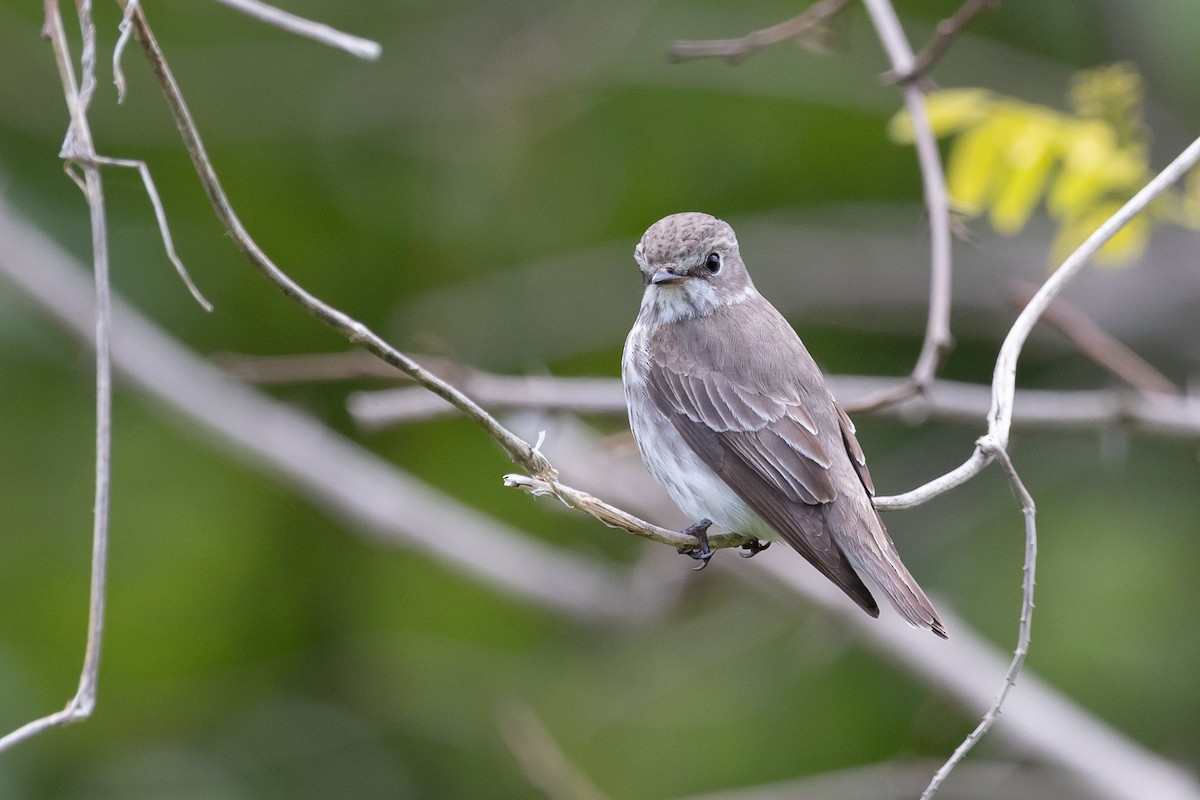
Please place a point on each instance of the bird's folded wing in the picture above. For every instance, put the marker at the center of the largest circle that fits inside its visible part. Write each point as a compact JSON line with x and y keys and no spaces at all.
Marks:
{"x":766,"y":449}
{"x":854,"y":449}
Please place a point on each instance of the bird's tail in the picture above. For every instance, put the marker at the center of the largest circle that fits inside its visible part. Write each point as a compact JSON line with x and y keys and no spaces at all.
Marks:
{"x":878,"y":560}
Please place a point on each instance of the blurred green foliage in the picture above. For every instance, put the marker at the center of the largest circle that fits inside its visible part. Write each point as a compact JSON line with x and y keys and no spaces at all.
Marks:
{"x":258,"y":649}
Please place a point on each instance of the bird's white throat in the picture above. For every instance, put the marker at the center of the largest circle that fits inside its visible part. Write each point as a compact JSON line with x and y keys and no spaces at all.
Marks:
{"x":691,"y":298}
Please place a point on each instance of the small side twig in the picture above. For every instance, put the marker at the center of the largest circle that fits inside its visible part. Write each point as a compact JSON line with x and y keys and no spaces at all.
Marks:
{"x":1094,"y":342}
{"x":160,"y":215}
{"x":943,"y":36}
{"x":735,"y":50}
{"x":938,"y":341}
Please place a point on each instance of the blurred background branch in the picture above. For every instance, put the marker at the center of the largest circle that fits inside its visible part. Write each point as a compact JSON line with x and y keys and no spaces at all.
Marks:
{"x":945,"y":401}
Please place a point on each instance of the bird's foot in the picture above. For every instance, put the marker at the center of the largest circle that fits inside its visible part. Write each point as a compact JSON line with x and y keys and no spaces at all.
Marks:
{"x":700,"y":531}
{"x":751,"y":549}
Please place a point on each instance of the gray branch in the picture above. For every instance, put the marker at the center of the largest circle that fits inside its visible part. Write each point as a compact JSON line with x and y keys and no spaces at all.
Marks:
{"x":946,"y":401}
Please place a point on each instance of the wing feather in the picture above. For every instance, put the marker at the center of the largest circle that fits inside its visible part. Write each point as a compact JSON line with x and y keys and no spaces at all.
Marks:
{"x":767,"y":457}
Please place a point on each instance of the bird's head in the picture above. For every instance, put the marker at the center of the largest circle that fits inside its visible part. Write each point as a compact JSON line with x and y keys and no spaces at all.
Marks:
{"x":690,"y":266}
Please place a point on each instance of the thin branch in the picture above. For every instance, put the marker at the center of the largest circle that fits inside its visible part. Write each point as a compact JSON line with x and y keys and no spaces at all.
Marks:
{"x":938,"y":340}
{"x":126,"y":30}
{"x":614,"y":517}
{"x":160,"y":215}
{"x":79,"y":148}
{"x":319,"y":32}
{"x":994,"y":444}
{"x":943,"y":36}
{"x":1029,"y":511}
{"x":1095,"y":343}
{"x":735,"y":50}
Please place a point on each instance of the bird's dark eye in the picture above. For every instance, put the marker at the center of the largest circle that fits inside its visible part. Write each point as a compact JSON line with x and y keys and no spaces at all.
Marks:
{"x":713,"y":263}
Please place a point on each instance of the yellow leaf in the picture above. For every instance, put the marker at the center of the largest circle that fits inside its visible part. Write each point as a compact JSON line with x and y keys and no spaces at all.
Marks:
{"x":1126,"y":245}
{"x":949,"y":110}
{"x":1028,"y":159}
{"x":1093,"y":165}
{"x":972,"y":170}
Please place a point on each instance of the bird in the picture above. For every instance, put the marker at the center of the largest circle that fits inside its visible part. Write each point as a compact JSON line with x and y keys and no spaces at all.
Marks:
{"x":734,"y":419}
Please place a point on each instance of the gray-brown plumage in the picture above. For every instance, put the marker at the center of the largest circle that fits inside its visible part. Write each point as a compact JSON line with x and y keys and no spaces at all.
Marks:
{"x":734,"y":419}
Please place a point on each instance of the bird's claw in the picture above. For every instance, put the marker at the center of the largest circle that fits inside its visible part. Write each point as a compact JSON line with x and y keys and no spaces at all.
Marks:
{"x":751,"y":549}
{"x":700,"y":531}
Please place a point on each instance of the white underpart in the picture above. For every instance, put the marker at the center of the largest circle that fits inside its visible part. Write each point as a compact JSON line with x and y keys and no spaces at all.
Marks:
{"x":696,"y":489}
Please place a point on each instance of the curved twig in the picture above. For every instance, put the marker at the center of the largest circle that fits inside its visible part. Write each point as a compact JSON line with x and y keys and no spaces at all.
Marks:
{"x":79,"y":149}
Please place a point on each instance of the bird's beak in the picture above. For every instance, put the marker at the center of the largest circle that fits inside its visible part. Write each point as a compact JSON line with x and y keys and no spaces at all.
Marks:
{"x":664,"y":277}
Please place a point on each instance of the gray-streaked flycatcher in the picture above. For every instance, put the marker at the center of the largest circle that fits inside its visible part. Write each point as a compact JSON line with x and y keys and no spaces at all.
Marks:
{"x":733,"y":417}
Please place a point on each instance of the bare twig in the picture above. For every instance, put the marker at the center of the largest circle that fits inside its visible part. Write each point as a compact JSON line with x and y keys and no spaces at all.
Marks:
{"x":1005,"y":375}
{"x":994,"y":444}
{"x":319,"y":32}
{"x":735,"y":50}
{"x":1094,"y":342}
{"x":614,"y":517}
{"x":1029,"y":511}
{"x":161,"y":216}
{"x":126,"y":29}
{"x":943,"y":36}
{"x":938,"y":341}
{"x":79,"y":149}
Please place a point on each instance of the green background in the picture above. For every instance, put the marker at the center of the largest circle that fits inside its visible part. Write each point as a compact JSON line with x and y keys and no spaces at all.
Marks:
{"x":476,"y":193}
